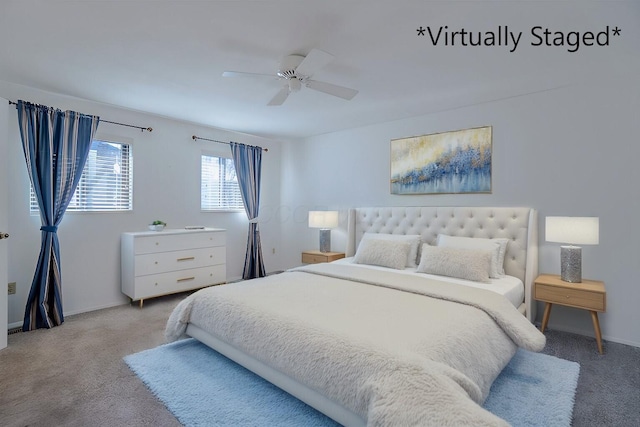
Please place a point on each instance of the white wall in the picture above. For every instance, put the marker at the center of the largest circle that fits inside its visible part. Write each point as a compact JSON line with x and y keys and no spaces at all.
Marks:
{"x":166,"y":168}
{"x":571,"y":151}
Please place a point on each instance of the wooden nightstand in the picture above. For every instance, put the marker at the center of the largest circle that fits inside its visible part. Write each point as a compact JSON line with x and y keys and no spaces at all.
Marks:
{"x":315,"y":257}
{"x":588,"y":295}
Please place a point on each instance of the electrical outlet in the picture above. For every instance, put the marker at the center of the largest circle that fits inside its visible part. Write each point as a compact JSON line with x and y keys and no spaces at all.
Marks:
{"x":12,"y":288}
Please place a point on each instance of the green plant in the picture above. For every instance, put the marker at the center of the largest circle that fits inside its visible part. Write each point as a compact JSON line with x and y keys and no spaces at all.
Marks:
{"x":158,"y":222}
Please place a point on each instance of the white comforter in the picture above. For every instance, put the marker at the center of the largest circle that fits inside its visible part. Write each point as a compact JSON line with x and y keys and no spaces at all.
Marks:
{"x":395,"y":349}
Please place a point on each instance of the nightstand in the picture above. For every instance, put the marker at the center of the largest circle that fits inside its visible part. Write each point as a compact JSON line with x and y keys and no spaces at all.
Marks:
{"x":588,"y":295}
{"x":315,"y":257}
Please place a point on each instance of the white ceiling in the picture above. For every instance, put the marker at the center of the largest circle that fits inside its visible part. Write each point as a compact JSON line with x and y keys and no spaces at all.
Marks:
{"x":167,"y":57}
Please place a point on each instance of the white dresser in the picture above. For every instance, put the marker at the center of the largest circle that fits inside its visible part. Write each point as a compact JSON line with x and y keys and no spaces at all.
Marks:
{"x":158,"y":263}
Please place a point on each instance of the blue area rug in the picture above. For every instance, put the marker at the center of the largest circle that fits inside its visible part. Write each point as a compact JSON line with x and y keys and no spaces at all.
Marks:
{"x":203,"y":388}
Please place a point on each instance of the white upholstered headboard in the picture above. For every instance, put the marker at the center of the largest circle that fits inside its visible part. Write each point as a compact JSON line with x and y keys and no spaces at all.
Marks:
{"x":518,"y":224}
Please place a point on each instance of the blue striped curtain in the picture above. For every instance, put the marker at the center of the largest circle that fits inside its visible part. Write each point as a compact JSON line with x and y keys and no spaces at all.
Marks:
{"x":247,"y":160}
{"x":56,"y":145}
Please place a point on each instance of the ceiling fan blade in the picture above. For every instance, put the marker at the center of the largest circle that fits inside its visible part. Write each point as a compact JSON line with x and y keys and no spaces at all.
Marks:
{"x":315,"y":60}
{"x":243,"y":74}
{"x":280,"y":96}
{"x":331,"y":89}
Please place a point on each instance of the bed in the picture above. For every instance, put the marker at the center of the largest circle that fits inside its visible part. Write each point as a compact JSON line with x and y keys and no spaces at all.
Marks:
{"x":369,"y":340}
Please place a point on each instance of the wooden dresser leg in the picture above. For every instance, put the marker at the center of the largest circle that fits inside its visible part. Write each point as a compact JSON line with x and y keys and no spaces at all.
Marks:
{"x":596,"y":328}
{"x":545,"y":317}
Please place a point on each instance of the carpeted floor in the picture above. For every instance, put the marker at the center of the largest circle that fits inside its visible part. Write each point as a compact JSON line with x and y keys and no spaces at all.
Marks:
{"x":74,"y":375}
{"x":609,"y":385}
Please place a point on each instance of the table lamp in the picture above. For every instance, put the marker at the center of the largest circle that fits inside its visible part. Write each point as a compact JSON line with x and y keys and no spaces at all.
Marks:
{"x":574,"y":231}
{"x":325,"y":221}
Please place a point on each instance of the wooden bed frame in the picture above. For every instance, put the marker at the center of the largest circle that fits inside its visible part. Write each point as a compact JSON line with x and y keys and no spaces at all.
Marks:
{"x":517,"y":224}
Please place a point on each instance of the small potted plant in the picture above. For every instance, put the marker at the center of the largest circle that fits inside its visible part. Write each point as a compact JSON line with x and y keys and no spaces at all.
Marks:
{"x":157,"y":225}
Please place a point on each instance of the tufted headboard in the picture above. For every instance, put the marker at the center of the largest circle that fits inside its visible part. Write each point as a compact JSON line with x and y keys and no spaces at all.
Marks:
{"x":517,"y":224}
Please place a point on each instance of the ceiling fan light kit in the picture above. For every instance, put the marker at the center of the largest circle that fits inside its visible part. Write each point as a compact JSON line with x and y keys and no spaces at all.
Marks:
{"x":296,"y":71}
{"x":294,"y":84}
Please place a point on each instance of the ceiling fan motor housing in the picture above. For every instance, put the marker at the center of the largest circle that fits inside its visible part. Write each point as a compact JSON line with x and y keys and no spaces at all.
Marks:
{"x":288,"y":67}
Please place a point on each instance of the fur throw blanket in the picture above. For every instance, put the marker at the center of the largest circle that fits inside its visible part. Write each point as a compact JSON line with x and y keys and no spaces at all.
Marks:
{"x":397,"y":350}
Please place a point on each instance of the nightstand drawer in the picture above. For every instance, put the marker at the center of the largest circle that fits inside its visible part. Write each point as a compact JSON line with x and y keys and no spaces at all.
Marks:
{"x":315,"y":257}
{"x":571,"y":297}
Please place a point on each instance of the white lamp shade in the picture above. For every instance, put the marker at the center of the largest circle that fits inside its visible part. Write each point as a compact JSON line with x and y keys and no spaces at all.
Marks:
{"x":572,"y":230}
{"x":323,"y":219}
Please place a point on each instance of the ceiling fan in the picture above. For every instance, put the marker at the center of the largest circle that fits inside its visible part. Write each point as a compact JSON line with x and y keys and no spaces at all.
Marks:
{"x":296,"y":71}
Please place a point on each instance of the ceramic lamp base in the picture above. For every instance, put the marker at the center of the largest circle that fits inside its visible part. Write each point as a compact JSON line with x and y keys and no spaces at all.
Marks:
{"x":325,"y":240}
{"x":571,"y":264}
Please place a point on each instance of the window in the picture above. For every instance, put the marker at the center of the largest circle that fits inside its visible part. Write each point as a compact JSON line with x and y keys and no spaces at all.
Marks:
{"x":106,"y":183}
{"x":219,"y":188}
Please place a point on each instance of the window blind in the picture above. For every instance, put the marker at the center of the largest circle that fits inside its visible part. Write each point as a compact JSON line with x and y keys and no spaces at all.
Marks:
{"x":106,"y":183}
{"x":219,"y":189}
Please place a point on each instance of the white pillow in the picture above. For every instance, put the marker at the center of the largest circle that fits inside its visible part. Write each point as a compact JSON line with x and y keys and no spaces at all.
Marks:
{"x":469,"y":264}
{"x":503,"y":252}
{"x":414,"y":239}
{"x":498,"y":248}
{"x":385,"y":253}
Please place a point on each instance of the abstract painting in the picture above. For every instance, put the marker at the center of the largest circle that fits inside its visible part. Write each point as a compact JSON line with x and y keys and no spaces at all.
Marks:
{"x":448,"y":162}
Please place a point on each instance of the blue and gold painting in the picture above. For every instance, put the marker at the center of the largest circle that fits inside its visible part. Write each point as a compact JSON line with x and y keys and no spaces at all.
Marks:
{"x":442,"y":163}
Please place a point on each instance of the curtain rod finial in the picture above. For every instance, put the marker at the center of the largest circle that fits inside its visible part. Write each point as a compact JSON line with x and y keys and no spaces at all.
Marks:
{"x":149,"y":129}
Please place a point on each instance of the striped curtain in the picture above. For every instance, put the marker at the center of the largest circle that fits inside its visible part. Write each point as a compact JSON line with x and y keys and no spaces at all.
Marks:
{"x":56,"y":145}
{"x":247,"y":160}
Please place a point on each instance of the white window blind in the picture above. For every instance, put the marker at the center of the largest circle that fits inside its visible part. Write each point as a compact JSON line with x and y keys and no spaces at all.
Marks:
{"x":106,"y":183}
{"x":219,"y":189}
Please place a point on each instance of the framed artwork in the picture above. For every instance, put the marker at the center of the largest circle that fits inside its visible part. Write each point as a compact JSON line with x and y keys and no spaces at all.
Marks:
{"x":442,"y":163}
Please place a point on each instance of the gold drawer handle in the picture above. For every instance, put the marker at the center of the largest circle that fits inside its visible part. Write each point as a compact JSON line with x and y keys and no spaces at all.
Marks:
{"x":186,"y":279}
{"x":189,"y":258}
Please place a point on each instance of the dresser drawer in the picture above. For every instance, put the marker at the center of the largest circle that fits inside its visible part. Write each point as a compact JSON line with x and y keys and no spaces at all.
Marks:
{"x":579,"y":298}
{"x":176,"y":242}
{"x":178,"y":281}
{"x":161,"y":262}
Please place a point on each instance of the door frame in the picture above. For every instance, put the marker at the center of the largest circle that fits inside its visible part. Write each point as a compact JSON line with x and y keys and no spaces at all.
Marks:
{"x":4,"y":222}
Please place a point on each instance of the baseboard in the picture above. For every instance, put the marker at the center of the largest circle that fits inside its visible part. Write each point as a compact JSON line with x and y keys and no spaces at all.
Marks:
{"x":71,"y":313}
{"x":99,"y":307}
{"x":590,"y":333}
{"x":15,"y":325}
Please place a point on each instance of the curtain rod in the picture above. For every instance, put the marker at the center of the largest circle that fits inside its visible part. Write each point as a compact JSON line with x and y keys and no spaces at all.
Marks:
{"x":142,"y":129}
{"x":195,"y":138}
